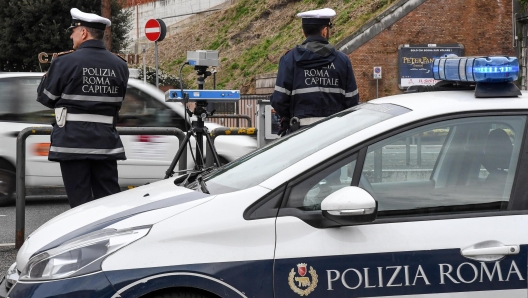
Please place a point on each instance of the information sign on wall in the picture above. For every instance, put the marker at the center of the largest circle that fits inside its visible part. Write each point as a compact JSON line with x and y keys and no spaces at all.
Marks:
{"x":415,"y":62}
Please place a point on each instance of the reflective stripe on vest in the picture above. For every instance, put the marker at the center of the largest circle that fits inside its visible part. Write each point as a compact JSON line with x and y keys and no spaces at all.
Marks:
{"x":351,"y":94}
{"x":90,"y":118}
{"x":92,"y":98}
{"x":86,"y":150}
{"x":282,"y":90}
{"x":318,"y":89}
{"x":49,"y":95}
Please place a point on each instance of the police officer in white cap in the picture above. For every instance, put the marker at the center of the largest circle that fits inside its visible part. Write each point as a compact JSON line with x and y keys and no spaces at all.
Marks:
{"x":314,"y":79}
{"x":86,"y":88}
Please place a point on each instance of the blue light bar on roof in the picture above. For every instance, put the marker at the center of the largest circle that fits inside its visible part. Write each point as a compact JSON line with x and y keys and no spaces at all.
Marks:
{"x":476,"y":69}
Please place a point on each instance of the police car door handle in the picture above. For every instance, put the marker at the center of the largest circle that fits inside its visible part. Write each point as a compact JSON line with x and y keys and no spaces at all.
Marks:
{"x":489,"y":251}
{"x":502,"y":250}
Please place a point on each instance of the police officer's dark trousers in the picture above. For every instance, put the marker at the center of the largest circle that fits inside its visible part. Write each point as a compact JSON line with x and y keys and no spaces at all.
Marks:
{"x":87,"y":180}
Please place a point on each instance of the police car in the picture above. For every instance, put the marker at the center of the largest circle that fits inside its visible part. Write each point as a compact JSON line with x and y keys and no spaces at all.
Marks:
{"x":416,"y":195}
{"x":148,"y":156}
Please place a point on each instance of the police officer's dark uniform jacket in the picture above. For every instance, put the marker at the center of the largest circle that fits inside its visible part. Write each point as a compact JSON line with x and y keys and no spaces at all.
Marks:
{"x":91,"y":84}
{"x":314,"y":80}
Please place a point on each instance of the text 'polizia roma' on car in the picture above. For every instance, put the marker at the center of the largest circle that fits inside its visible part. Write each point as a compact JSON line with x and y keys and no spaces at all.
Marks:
{"x":416,"y":195}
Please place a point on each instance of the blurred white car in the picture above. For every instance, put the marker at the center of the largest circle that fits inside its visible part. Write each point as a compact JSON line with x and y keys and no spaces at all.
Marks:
{"x":148,"y":156}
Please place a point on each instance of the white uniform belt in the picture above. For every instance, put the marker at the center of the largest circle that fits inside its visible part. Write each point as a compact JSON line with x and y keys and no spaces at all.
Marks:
{"x":309,"y":121}
{"x":90,"y":118}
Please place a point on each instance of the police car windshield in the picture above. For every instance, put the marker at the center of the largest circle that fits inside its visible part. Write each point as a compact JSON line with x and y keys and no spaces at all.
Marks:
{"x":261,"y":164}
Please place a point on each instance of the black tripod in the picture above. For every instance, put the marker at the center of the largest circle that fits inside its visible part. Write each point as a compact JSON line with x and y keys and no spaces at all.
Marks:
{"x":198,"y":129}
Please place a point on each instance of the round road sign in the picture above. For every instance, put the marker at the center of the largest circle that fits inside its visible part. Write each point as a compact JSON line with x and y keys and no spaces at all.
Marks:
{"x":155,"y":30}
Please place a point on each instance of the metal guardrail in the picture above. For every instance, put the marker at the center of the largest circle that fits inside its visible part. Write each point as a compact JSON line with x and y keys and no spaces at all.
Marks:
{"x":227,"y":131}
{"x":221,"y":116}
{"x":21,"y":165}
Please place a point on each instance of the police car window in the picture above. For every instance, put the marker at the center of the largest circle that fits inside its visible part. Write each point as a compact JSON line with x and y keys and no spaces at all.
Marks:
{"x":271,"y":159}
{"x":18,"y":101}
{"x":455,"y":166}
{"x":309,"y":194}
{"x":139,"y":109}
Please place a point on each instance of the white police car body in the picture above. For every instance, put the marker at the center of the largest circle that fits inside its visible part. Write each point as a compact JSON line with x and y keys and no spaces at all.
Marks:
{"x":148,"y":156}
{"x":415,"y":195}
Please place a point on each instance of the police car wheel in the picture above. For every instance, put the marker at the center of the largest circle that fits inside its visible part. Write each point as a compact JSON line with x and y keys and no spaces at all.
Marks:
{"x":178,"y":293}
{"x":7,"y":183}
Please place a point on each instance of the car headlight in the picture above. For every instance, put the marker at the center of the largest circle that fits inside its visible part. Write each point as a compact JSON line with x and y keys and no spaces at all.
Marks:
{"x":81,"y":255}
{"x":11,"y":276}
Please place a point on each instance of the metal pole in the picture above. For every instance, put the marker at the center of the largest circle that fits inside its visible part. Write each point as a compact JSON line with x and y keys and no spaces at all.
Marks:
{"x":21,"y":166}
{"x":377,"y":88}
{"x":157,"y":79}
{"x":144,"y":65}
{"x":21,"y":180}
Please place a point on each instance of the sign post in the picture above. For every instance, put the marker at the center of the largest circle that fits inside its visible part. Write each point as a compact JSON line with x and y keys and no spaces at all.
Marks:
{"x":377,"y":77}
{"x":144,"y":63}
{"x":155,"y":30}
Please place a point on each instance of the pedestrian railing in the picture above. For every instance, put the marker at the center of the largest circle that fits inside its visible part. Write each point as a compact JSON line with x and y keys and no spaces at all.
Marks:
{"x":46,"y":130}
{"x":238,"y":117}
{"x":228,"y":131}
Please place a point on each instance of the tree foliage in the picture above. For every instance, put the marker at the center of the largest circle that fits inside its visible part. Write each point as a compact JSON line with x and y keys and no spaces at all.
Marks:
{"x":29,"y":27}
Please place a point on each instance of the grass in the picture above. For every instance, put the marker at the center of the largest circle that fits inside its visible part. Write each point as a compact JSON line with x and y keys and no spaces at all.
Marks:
{"x":252,"y":35}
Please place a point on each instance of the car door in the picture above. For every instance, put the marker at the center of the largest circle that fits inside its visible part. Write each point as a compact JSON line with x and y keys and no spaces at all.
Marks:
{"x":451,"y":218}
{"x":148,"y":156}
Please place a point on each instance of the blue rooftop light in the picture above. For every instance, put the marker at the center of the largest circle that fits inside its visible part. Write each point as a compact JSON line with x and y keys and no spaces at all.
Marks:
{"x":476,"y":69}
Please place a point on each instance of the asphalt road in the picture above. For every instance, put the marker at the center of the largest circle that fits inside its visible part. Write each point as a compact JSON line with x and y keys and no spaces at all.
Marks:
{"x":37,"y":213}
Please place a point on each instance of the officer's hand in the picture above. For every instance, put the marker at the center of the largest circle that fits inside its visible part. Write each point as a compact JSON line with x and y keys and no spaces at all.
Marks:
{"x":284,"y":125}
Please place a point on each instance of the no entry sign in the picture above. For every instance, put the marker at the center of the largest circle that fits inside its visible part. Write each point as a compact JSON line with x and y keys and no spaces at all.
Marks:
{"x":155,"y":30}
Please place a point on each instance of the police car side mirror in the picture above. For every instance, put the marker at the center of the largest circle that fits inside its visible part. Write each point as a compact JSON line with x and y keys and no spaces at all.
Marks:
{"x":349,"y":206}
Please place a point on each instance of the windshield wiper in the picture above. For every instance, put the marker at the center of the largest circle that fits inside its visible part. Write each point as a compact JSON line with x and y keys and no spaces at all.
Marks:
{"x":188,"y":179}
{"x":203,"y":186}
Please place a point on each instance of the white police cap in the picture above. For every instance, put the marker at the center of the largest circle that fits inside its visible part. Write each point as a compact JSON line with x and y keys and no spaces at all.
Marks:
{"x":317,"y":17}
{"x":91,"y":20}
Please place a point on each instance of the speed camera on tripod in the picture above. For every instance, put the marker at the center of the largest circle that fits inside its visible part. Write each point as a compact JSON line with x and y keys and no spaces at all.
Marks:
{"x":202,"y":60}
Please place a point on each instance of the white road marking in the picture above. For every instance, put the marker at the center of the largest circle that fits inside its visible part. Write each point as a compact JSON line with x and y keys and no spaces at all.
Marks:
{"x":6,"y":244}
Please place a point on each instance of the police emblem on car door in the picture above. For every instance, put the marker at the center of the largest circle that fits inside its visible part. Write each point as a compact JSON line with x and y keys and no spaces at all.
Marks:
{"x":300,"y":283}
